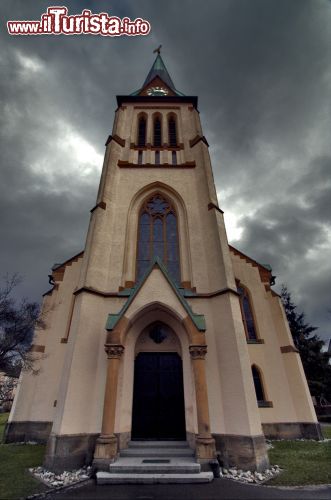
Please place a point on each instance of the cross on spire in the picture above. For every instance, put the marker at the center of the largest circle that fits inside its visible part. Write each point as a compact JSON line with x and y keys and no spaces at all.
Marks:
{"x":158,"y":50}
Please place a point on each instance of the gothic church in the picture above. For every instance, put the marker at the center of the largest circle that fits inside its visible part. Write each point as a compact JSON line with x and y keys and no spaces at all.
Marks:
{"x":160,"y":332}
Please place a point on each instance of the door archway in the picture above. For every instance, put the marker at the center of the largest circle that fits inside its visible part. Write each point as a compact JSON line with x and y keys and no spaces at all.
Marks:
{"x":158,"y":411}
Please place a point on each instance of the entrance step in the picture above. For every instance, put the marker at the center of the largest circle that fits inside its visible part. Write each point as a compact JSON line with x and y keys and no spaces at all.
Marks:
{"x":180,"y":465}
{"x":115,"y":478}
{"x":162,"y":449}
{"x":150,"y":462}
{"x":158,"y":444}
{"x":157,"y":452}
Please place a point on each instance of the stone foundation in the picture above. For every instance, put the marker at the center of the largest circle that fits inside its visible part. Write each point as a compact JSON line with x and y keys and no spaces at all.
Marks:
{"x":123,"y":439}
{"x":69,"y":452}
{"x":245,"y":452}
{"x":27,"y":431}
{"x":292,"y":430}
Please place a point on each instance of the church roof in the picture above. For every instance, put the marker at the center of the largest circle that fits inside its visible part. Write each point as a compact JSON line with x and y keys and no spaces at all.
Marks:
{"x":157,"y":87}
{"x":158,"y":71}
{"x":198,"y":319}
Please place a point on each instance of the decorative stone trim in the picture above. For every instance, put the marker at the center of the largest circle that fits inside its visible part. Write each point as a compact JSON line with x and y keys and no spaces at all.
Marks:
{"x":163,"y":147}
{"x":197,"y":139}
{"x":117,"y":139}
{"x":265,"y":274}
{"x":94,"y":291}
{"x":208,"y":295}
{"x":101,"y":204}
{"x":265,"y":404}
{"x":114,"y":351}
{"x":198,"y":351}
{"x":186,"y":284}
{"x":156,"y":107}
{"x":288,"y":348}
{"x":292,"y":430}
{"x":58,"y":271}
{"x":27,"y":431}
{"x":212,"y":205}
{"x":37,"y":348}
{"x":126,"y":164}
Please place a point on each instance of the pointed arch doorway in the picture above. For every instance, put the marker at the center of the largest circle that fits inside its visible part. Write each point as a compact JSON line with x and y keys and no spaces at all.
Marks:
{"x":158,"y":411}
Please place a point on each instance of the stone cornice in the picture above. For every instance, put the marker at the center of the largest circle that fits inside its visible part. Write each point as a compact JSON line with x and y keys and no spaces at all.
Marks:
{"x":117,"y":139}
{"x":126,"y":164}
{"x":197,"y":139}
{"x":288,"y":348}
{"x":101,"y":204}
{"x":212,"y":205}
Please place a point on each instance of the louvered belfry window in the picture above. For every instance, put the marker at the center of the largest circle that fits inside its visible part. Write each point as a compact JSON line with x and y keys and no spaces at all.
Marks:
{"x":158,"y":236}
{"x":172,"y":132}
{"x":142,"y":131}
{"x":157,"y":132}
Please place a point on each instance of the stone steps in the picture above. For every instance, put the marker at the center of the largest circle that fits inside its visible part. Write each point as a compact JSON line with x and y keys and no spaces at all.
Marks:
{"x":158,"y":444}
{"x":130,"y":465}
{"x":154,"y":452}
{"x":112,"y":478}
{"x":151,"y":462}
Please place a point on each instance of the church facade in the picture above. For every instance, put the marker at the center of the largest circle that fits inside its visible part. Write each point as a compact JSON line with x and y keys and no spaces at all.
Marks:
{"x":159,"y":329}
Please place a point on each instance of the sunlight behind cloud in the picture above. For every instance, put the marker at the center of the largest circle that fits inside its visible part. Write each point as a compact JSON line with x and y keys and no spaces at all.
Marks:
{"x":233,"y":230}
{"x":28,"y":64}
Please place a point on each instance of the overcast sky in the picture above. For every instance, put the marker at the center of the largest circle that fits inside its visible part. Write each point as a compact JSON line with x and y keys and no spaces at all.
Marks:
{"x":262,"y":71}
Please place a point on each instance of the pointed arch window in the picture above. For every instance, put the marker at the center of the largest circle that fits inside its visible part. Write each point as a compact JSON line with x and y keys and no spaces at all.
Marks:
{"x":158,"y":236}
{"x":142,"y":131}
{"x":259,"y":391}
{"x":172,"y":129}
{"x":157,"y":139}
{"x":247,"y":313}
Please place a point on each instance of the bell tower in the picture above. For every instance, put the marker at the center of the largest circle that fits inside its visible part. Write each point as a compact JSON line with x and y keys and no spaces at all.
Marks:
{"x":157,"y":209}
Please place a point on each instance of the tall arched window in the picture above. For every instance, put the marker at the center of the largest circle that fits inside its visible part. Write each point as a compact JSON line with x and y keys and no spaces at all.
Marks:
{"x":247,"y":313}
{"x":142,"y":131}
{"x":172,"y":129}
{"x":157,"y":140}
{"x":158,"y":236}
{"x":260,"y":396}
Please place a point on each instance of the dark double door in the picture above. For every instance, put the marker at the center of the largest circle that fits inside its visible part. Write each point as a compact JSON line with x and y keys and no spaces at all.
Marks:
{"x":158,"y":397}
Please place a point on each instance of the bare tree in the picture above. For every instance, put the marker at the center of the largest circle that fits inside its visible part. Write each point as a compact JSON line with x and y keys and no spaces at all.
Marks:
{"x":17,"y":323}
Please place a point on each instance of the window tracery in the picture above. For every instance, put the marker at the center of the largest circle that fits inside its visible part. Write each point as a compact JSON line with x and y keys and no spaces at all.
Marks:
{"x":158,"y":236}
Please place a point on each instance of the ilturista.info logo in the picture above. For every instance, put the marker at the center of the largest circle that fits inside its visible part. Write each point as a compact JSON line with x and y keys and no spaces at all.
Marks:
{"x":57,"y":21}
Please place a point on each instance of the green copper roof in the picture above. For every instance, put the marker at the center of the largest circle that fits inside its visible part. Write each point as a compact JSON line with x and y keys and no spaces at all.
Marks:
{"x":159,"y":70}
{"x":198,"y":319}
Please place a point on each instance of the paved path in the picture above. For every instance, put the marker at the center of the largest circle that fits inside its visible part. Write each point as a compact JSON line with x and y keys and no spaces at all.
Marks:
{"x":219,"y":489}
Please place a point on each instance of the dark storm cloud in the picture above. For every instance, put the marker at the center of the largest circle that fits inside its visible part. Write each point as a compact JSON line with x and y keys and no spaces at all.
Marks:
{"x":261,"y":69}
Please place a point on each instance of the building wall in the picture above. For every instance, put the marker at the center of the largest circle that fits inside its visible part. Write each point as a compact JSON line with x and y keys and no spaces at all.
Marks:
{"x":282,"y":374}
{"x":73,"y":370}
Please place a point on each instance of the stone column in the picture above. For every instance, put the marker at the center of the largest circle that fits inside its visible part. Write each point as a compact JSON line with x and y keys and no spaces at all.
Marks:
{"x":205,"y":443}
{"x":106,"y":445}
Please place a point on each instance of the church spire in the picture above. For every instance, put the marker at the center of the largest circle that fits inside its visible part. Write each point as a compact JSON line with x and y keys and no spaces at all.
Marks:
{"x":158,"y":72}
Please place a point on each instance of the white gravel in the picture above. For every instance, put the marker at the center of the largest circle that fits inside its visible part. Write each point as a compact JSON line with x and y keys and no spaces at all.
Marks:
{"x":249,"y":476}
{"x":64,"y":479}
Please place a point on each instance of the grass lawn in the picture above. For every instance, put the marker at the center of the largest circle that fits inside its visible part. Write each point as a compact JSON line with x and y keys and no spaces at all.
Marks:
{"x":304,"y":462}
{"x":15,"y":480}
